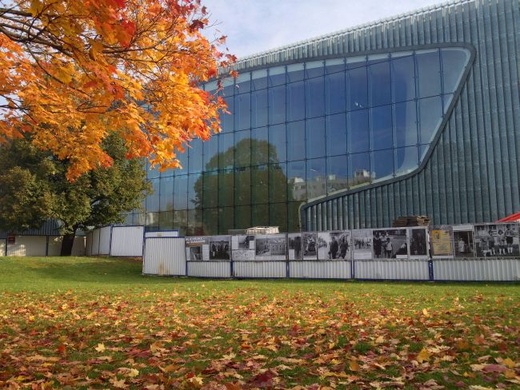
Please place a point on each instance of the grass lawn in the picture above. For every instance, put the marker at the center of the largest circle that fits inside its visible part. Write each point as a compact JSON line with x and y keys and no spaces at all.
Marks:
{"x":88,"y":323}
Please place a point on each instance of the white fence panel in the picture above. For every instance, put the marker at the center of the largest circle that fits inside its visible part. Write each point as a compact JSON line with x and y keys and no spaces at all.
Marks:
{"x":164,"y":256}
{"x":209,"y":269}
{"x":320,"y":269}
{"x":28,"y":246}
{"x":391,"y":269}
{"x":3,"y":247}
{"x":105,"y":234}
{"x":260,"y":269}
{"x":93,"y":246}
{"x":127,"y":241}
{"x":477,"y":269}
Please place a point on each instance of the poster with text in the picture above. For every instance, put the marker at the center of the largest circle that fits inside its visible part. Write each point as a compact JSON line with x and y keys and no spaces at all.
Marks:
{"x":442,"y":242}
{"x":196,"y":247}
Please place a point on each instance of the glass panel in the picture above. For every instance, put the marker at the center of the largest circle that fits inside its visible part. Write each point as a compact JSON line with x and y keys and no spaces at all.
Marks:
{"x":259,"y":108}
{"x":259,"y":79}
{"x":244,"y":82}
{"x":225,"y":188}
{"x":278,"y":216}
{"x":211,"y":153}
{"x":335,"y":93}
{"x":180,"y":220}
{"x":210,"y":221}
{"x":225,"y":151}
{"x":296,"y":178}
{"x":379,"y":82}
{"x":153,"y":200}
{"x":260,"y":215}
{"x":226,"y":219}
{"x":295,"y":72}
{"x":277,"y":105}
{"x":336,"y":134}
{"x":405,"y":117}
{"x":226,"y":120}
{"x":166,"y":220}
{"x":430,"y":118}
{"x":243,"y":111}
{"x":381,"y":121}
{"x":407,"y":160}
{"x":195,"y":155}
{"x":277,"y":144}
{"x":337,"y":173}
{"x":243,"y":186}
{"x":383,"y":164}
{"x":316,"y":178}
{"x":358,"y":88}
{"x":166,"y":201}
{"x":259,"y":146}
{"x":403,"y":78}
{"x":206,"y":191}
{"x":277,"y":183}
{"x":428,"y":73}
{"x":183,"y":160}
{"x":335,"y":66}
{"x":277,"y":76}
{"x":195,"y":227}
{"x":315,"y":138}
{"x":359,"y":168}
{"x":453,"y":63}
{"x":242,"y":148}
{"x":315,"y":97}
{"x":152,"y":221}
{"x":296,"y":101}
{"x":260,"y":184}
{"x":296,"y":134}
{"x":359,"y":135}
{"x":314,"y":69}
{"x":292,"y":223}
{"x":180,"y":199}
{"x":193,"y":183}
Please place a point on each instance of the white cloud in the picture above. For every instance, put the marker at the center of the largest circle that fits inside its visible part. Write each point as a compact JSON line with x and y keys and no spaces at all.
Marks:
{"x":253,"y":26}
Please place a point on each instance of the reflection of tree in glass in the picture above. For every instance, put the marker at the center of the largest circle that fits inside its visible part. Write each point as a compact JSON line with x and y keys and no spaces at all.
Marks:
{"x":247,"y":173}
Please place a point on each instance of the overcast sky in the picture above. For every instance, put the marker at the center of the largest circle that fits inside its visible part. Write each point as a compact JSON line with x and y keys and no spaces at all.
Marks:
{"x":254,"y":26}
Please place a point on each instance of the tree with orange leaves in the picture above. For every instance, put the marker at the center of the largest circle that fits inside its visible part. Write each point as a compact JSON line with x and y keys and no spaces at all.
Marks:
{"x":74,"y":71}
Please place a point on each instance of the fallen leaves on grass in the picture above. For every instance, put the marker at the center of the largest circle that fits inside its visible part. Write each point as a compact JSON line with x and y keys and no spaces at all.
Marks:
{"x":246,"y":339}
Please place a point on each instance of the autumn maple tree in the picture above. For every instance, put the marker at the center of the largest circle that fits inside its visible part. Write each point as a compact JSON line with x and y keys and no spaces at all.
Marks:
{"x":73,"y":71}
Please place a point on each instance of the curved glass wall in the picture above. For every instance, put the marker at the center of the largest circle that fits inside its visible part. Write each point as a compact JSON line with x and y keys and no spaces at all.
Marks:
{"x":305,"y":130}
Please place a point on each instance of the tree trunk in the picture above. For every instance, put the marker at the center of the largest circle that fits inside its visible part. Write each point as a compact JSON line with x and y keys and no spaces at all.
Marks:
{"x":67,"y":244}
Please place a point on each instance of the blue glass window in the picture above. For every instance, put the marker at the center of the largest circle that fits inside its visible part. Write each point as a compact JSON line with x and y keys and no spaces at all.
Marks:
{"x":277,"y":143}
{"x":359,"y":136}
{"x":336,"y":135}
{"x":296,"y":146}
{"x":259,"y":108}
{"x":428,"y":73}
{"x":277,"y":105}
{"x":315,"y":97}
{"x":403,"y":78}
{"x":358,"y":88}
{"x":335,"y":93}
{"x":379,"y":82}
{"x":296,"y":101}
{"x":315,"y":137}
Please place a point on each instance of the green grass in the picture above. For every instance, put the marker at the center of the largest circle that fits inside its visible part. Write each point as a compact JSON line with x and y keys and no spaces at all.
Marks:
{"x":68,"y":323}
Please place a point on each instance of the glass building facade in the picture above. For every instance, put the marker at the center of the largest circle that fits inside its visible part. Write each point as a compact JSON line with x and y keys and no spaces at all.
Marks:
{"x":415,"y":115}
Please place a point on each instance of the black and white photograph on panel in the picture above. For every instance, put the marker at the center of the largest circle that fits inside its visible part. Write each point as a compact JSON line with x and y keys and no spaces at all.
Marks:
{"x":362,"y":244}
{"x":271,"y":247}
{"x":334,"y":245}
{"x":310,"y":246}
{"x":419,"y":242}
{"x":442,"y":241}
{"x":463,"y":242}
{"x":294,"y":242}
{"x":243,"y":241}
{"x":219,"y":247}
{"x":195,"y":248}
{"x":496,"y":240}
{"x":393,"y":243}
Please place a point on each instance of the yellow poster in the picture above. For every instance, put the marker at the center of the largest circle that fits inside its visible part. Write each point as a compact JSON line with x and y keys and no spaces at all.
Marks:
{"x":441,"y":242}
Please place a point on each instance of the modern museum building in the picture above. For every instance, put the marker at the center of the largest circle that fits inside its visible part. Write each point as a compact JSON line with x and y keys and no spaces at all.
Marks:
{"x":413,"y":115}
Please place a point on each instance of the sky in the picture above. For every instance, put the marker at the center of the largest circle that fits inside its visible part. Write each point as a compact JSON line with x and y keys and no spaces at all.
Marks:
{"x":255,"y":26}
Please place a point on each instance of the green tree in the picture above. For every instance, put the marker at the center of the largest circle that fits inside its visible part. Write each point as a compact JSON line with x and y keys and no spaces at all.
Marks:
{"x":35,"y":189}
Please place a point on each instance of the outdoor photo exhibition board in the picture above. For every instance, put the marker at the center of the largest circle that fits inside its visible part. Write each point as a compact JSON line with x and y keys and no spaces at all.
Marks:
{"x":418,"y":242}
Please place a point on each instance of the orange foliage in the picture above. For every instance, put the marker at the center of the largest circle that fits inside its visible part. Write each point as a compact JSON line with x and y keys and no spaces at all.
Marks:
{"x":72,"y":71}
